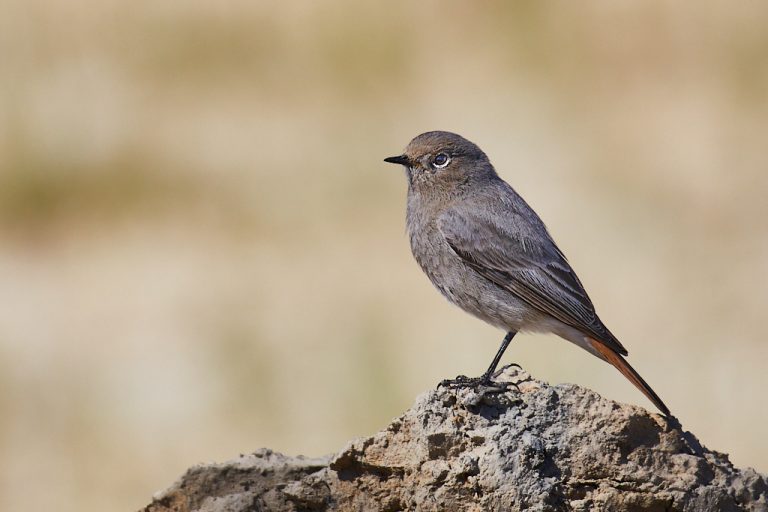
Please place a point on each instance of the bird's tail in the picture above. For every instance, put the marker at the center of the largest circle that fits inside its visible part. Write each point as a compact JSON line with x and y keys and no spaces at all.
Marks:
{"x":623,"y":366}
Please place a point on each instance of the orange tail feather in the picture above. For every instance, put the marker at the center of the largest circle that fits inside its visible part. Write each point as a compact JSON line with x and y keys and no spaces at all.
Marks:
{"x":630,"y":373}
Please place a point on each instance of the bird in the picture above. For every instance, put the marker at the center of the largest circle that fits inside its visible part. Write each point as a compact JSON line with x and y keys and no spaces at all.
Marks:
{"x":486,"y":250}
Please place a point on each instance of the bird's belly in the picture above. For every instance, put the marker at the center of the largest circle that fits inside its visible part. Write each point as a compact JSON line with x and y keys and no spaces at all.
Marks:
{"x":476,"y":295}
{"x":464,"y":287}
{"x":486,"y":301}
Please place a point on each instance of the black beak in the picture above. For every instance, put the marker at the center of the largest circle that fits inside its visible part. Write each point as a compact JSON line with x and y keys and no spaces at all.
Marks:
{"x":402,"y":160}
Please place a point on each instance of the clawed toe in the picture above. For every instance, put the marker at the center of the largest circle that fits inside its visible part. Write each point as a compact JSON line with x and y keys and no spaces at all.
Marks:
{"x":462,"y":381}
{"x":503,"y":368}
{"x":485,"y":382}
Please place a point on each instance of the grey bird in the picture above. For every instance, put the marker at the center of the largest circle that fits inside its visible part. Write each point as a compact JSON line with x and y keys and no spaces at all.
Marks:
{"x":488,"y":252}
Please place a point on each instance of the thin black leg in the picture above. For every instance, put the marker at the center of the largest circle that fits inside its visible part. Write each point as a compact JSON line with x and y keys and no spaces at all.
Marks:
{"x":486,"y":378}
{"x":504,"y":344}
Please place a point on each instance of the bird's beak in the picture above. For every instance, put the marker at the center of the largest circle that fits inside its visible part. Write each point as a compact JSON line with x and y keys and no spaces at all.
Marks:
{"x":402,"y":160}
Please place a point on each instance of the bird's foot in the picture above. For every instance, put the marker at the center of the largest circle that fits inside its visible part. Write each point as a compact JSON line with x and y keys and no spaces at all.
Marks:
{"x":462,"y":381}
{"x":484,"y":381}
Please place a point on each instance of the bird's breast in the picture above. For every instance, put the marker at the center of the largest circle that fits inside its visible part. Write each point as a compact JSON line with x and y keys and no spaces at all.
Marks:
{"x":458,"y":282}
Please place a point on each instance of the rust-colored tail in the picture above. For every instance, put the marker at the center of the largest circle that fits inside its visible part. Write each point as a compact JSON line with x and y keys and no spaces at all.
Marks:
{"x":630,"y":373}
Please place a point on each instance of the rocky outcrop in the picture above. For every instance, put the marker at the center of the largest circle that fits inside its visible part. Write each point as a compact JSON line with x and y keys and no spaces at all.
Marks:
{"x":523,"y":446}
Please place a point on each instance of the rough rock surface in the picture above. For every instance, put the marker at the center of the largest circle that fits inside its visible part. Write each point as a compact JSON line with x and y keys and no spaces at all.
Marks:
{"x":536,"y":448}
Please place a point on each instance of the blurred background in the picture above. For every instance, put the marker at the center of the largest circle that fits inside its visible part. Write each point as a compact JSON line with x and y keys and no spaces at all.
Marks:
{"x":202,"y":252}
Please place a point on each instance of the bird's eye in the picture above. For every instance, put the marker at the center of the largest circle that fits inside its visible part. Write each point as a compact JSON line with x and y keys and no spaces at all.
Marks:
{"x":441,"y":160}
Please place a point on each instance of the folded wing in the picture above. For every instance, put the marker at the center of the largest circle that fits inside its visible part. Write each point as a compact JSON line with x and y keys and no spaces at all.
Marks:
{"x":511,"y":249}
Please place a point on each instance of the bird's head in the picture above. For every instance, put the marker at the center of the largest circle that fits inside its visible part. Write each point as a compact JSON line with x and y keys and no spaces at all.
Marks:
{"x":442,"y":160}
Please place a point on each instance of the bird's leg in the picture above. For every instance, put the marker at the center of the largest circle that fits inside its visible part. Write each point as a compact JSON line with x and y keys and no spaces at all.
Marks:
{"x":485,"y":379}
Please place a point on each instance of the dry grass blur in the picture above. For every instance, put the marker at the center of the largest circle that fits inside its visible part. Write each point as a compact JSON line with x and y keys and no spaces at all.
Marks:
{"x":201,"y":252}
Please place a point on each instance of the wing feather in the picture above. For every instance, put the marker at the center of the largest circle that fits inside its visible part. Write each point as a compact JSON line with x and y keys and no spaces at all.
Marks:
{"x":512,"y":249}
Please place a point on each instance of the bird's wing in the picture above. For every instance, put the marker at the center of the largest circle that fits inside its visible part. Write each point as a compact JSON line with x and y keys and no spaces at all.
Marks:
{"x":512,"y":249}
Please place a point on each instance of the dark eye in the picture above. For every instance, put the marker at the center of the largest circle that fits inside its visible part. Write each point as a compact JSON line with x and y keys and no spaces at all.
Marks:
{"x":441,"y":160}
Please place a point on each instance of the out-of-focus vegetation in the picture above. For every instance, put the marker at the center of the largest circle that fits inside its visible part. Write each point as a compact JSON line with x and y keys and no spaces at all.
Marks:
{"x":201,"y":252}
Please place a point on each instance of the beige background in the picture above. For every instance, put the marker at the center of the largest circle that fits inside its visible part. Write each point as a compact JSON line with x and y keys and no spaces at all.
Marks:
{"x":202,"y":253}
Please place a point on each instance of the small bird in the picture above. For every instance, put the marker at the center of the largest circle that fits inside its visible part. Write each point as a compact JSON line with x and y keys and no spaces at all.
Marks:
{"x":489,"y":253}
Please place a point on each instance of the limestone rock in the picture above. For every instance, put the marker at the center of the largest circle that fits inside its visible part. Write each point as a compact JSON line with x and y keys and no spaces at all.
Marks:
{"x":532,"y":447}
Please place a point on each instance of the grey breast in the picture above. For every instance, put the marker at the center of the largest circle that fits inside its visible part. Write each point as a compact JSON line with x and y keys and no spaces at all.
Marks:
{"x":455,"y":280}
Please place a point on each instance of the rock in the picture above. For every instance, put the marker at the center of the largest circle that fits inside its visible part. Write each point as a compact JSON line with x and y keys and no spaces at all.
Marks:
{"x":531,"y":447}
